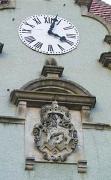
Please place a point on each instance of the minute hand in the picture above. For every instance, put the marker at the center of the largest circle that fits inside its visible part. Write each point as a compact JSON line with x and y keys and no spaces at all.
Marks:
{"x":52,"y":25}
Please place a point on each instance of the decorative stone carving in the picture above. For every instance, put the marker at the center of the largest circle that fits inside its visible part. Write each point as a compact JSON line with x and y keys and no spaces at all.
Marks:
{"x":4,"y":1}
{"x":108,"y":39}
{"x":105,"y":59}
{"x":4,"y":4}
{"x":56,"y":138}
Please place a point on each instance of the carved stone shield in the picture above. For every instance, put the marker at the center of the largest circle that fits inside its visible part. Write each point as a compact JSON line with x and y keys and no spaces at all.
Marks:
{"x":55,"y":137}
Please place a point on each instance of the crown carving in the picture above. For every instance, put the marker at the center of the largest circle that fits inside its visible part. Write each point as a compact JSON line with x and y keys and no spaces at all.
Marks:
{"x":54,"y":108}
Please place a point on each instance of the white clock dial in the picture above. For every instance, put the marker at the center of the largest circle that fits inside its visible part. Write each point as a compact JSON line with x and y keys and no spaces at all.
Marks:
{"x":49,"y":34}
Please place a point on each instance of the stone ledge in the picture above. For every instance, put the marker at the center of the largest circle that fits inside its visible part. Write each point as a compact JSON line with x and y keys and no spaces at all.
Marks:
{"x":11,"y":120}
{"x":38,"y":99}
{"x":97,"y":126}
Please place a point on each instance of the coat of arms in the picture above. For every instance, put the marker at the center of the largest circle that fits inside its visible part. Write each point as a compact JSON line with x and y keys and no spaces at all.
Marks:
{"x":55,"y":137}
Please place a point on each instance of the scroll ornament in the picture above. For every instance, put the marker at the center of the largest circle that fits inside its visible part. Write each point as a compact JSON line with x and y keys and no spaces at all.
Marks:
{"x":55,"y":137}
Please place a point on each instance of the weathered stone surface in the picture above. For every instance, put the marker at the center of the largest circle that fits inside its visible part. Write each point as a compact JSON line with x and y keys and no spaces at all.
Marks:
{"x":4,"y":4}
{"x":105,"y":59}
{"x":108,"y":39}
{"x":37,"y":99}
{"x":55,"y":137}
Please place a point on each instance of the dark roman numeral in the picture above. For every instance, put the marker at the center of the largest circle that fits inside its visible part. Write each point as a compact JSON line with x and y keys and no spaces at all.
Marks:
{"x":50,"y":48}
{"x":61,"y":48}
{"x":30,"y":39}
{"x":38,"y":45}
{"x":59,"y":22}
{"x":48,"y":20}
{"x":26,"y":23}
{"x":68,"y":27}
{"x":37,"y":20}
{"x":71,"y":35}
{"x":26,"y":31}
{"x":69,"y":42}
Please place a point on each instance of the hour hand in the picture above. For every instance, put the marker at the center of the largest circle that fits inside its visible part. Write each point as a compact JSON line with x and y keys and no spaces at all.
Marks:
{"x":53,"y":34}
{"x":62,"y":38}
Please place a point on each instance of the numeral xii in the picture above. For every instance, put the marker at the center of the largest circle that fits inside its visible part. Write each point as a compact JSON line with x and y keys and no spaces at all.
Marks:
{"x":48,"y":20}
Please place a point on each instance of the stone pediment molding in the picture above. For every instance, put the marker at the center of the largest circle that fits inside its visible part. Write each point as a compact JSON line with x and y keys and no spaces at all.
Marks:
{"x":52,"y":87}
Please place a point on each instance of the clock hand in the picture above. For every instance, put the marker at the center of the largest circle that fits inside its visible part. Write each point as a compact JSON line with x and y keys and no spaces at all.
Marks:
{"x":62,"y":38}
{"x":54,"y":34}
{"x":52,"y":25}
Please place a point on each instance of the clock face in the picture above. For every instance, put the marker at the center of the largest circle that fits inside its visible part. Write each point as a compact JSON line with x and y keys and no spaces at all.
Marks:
{"x":49,"y":34}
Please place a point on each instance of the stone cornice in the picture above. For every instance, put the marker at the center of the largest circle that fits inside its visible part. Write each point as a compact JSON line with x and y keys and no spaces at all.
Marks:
{"x":97,"y":126}
{"x":37,"y":99}
{"x":11,"y":120}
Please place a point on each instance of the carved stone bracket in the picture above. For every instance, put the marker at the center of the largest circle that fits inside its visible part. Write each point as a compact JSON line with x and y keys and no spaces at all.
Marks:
{"x":108,"y":39}
{"x":4,"y":4}
{"x":105,"y":59}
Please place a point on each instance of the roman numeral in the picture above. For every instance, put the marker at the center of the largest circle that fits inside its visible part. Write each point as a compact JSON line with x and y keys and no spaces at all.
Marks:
{"x":71,"y":35}
{"x":37,"y":20}
{"x":59,"y":22}
{"x":48,"y":20}
{"x":61,"y":48}
{"x":26,"y":23}
{"x":50,"y":48}
{"x":68,"y":27}
{"x":26,"y":31}
{"x":69,"y":42}
{"x":38,"y":45}
{"x":30,"y":39}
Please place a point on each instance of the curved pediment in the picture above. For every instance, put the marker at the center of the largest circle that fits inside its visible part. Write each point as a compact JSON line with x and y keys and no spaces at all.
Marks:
{"x":56,"y":86}
{"x":49,"y":87}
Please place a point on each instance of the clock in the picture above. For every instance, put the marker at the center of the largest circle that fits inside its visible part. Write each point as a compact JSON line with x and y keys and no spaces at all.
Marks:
{"x":49,"y":34}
